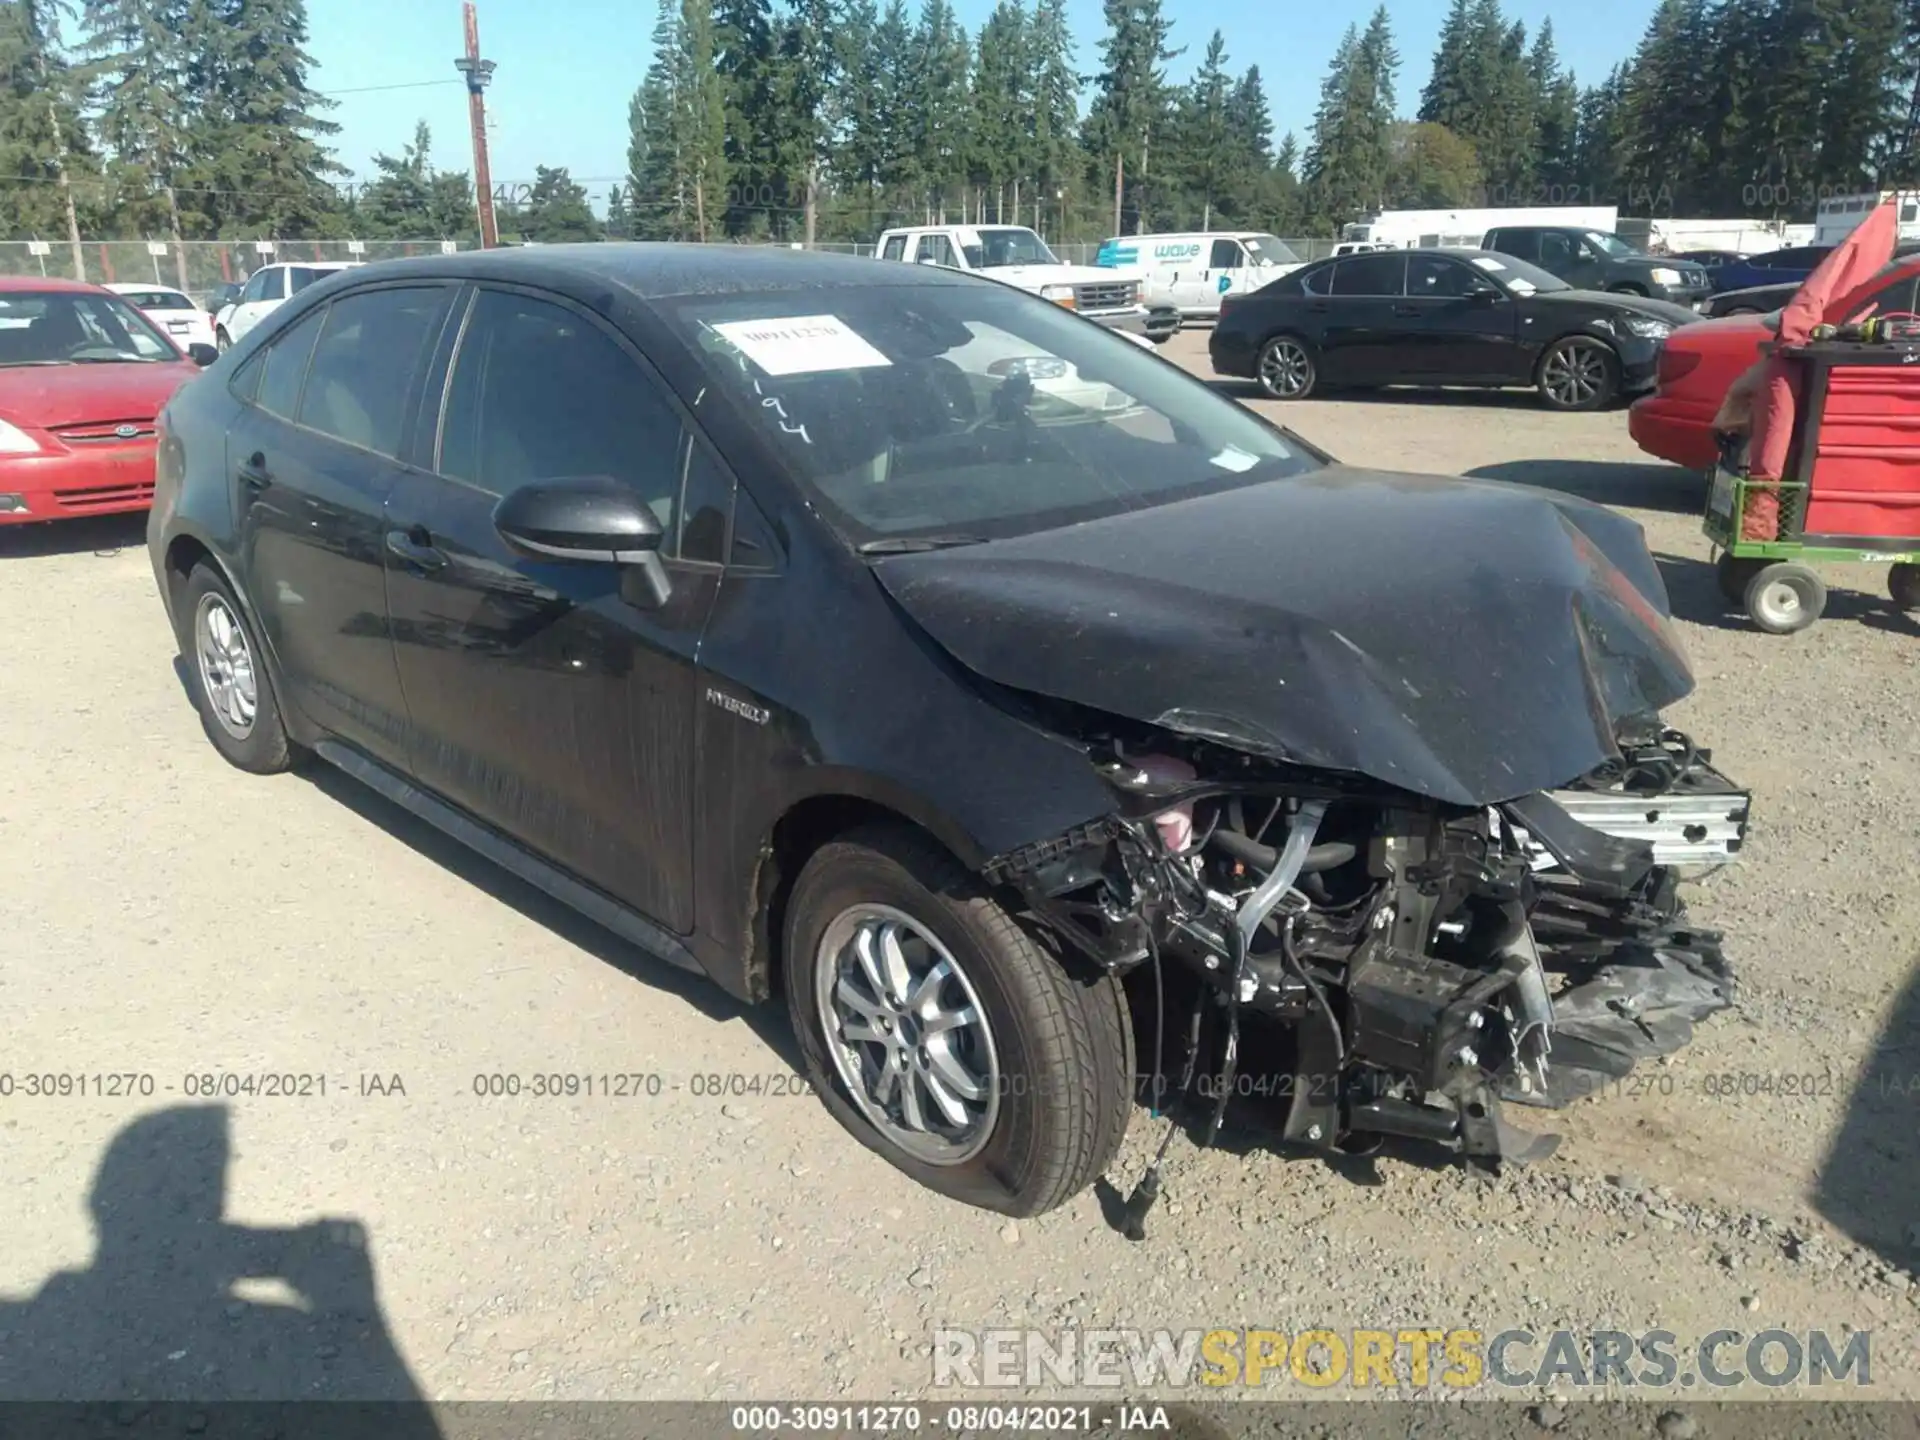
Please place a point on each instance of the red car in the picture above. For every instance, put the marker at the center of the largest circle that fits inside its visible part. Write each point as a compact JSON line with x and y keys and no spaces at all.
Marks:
{"x":82,"y":375}
{"x":1674,"y":420}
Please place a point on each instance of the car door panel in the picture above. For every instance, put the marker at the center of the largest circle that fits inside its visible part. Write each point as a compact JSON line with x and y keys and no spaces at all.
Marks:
{"x":1443,"y":334}
{"x":311,"y":509}
{"x":540,"y":698}
{"x":1357,"y":325}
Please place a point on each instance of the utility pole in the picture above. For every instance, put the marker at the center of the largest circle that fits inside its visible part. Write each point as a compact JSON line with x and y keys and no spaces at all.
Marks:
{"x":1119,"y":189}
{"x":66,"y":192}
{"x":478,"y":73}
{"x":179,"y":246}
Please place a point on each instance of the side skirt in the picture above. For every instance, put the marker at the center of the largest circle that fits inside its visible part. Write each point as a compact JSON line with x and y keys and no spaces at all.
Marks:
{"x":630,"y":925}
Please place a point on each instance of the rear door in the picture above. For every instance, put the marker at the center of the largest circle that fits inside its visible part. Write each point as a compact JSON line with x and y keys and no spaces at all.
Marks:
{"x":1357,"y":340}
{"x":266,"y":289}
{"x":542,"y":699}
{"x":1455,"y":324}
{"x":315,"y":455}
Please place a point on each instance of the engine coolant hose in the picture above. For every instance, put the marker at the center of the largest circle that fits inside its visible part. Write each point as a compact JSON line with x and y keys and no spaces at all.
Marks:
{"x":1248,"y":851}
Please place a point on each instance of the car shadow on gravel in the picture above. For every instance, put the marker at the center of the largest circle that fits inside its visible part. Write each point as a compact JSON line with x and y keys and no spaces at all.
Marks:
{"x":1693,"y":594}
{"x":768,"y":1022}
{"x":180,"y":1305}
{"x":1870,"y":1177}
{"x":102,"y":534}
{"x":1627,"y":484}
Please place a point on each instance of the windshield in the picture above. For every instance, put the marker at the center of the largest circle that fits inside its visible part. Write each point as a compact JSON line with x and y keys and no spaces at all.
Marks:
{"x":1518,"y":276}
{"x":1266,"y":250}
{"x":76,"y":328}
{"x":157,"y":299}
{"x":1607,"y":244}
{"x":1008,"y":246}
{"x":952,"y":413}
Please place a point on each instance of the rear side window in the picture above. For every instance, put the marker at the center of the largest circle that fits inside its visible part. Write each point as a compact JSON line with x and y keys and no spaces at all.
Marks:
{"x":1379,"y":274}
{"x":938,"y":249}
{"x":301,"y":276}
{"x":1318,"y":282}
{"x":286,"y":367}
{"x":364,"y":366}
{"x":1521,"y":244}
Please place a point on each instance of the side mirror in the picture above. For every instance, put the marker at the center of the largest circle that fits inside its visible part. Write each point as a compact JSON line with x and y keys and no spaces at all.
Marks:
{"x":202,"y":354}
{"x":588,"y":520}
{"x":1484,"y":294}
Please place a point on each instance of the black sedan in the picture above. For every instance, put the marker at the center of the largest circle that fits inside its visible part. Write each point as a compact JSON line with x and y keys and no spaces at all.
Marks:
{"x":1442,"y":317}
{"x":899,"y":642}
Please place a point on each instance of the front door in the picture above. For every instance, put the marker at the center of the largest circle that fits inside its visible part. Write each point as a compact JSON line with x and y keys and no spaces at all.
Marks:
{"x":264,"y":291}
{"x":1357,"y":339}
{"x":1227,"y":271}
{"x":314,"y":456}
{"x":542,"y":698}
{"x":1455,"y":324}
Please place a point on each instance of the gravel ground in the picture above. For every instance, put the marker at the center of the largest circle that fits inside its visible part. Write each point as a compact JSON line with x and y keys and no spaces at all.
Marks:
{"x":165,"y":916}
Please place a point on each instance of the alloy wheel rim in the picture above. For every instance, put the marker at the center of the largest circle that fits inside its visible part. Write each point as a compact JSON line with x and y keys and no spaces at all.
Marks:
{"x":1284,"y":369}
{"x":227,"y":672}
{"x":1575,"y":374}
{"x":907,"y":1034}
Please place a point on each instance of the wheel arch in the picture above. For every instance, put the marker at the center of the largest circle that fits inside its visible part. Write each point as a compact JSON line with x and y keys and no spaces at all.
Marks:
{"x":184,"y":552}
{"x":1574,"y":332}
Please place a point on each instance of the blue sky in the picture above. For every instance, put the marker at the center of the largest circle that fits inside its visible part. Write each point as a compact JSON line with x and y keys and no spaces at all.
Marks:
{"x":568,"y":67}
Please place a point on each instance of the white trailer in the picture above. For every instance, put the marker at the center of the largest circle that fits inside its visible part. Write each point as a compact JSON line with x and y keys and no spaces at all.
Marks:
{"x":1672,"y":237}
{"x":1839,"y":215}
{"x":1464,"y":229}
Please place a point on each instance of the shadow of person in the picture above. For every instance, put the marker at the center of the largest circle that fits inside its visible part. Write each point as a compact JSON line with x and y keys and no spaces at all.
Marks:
{"x":182,"y":1305}
{"x":1870,"y":1178}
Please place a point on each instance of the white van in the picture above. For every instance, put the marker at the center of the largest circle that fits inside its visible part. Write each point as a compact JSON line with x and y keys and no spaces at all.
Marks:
{"x":1192,"y":271}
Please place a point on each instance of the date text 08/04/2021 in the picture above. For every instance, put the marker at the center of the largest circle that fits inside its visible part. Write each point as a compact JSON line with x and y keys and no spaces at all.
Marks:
{"x":275,"y":1084}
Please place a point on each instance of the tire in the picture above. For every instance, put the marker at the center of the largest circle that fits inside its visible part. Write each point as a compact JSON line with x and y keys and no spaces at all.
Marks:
{"x":1629,"y":290}
{"x":224,"y":667}
{"x":1286,"y":369}
{"x":1578,"y":374}
{"x":1903,"y":585}
{"x":1740,"y":310}
{"x":1052,"y":1064}
{"x":1734,"y":574}
{"x":1784,"y":598}
{"x":221,"y":342}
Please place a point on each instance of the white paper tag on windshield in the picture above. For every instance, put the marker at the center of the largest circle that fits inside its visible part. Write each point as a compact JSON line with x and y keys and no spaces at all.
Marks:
{"x":1235,"y":459}
{"x":1487,"y":262}
{"x":801,"y":344}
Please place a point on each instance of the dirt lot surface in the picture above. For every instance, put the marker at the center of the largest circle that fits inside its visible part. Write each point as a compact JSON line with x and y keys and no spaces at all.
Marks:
{"x":164,"y":916}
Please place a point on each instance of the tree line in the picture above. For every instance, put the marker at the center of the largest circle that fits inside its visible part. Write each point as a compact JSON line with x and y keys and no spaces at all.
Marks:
{"x":829,"y":120}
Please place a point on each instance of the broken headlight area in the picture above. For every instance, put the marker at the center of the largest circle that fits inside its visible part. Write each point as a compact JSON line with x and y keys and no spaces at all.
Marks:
{"x":1431,"y":962}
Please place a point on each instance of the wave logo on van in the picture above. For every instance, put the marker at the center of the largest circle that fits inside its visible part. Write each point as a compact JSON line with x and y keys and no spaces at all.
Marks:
{"x":1112,"y":255}
{"x":1175,"y":252}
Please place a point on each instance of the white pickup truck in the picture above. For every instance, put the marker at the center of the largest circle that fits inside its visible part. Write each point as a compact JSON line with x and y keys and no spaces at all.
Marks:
{"x":1018,"y":256}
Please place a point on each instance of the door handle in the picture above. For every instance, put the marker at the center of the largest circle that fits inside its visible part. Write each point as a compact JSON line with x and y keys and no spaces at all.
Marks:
{"x":1406,"y":312}
{"x":253,"y":471}
{"x":415,"y":548}
{"x":1319,"y":307}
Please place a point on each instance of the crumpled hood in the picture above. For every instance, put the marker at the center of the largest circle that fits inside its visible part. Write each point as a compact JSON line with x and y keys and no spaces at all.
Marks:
{"x":1466,"y":640}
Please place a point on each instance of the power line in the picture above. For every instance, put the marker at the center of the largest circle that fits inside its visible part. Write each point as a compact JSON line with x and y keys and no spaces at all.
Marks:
{"x":402,"y":85}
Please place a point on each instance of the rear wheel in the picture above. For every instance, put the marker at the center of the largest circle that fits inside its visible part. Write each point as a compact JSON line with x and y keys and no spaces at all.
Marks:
{"x":1903,"y":584}
{"x":944,"y":1036}
{"x":221,"y":342}
{"x":1286,"y":369}
{"x":227,"y":677}
{"x":1784,"y":598}
{"x":1578,"y":374}
{"x":1740,"y":310}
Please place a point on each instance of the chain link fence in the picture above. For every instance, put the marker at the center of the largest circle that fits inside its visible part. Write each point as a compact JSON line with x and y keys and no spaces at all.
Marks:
{"x":199,"y":266}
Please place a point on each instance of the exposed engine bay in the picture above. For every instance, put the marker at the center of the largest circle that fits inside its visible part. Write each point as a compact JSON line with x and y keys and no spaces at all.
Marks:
{"x":1430,"y":960}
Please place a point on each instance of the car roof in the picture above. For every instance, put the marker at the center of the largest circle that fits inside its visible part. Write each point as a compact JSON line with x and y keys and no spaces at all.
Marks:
{"x":129,"y":287}
{"x":657,"y":270}
{"x":15,"y":283}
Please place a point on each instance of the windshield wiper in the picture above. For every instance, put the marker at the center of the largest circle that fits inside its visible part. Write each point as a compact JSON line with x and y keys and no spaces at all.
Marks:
{"x":911,"y":544}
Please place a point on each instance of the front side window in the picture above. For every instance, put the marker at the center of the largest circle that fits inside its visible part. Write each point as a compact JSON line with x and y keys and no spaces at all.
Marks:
{"x":301,"y":276}
{"x":1009,"y":246}
{"x":76,"y":328}
{"x":895,"y":248}
{"x":370,"y":351}
{"x":1267,"y":250}
{"x":926,"y":412}
{"x":539,"y":392}
{"x":1601,"y":243}
{"x":256,"y":287}
{"x":1438,"y":278}
{"x":1555,"y":250}
{"x":1226,"y":256}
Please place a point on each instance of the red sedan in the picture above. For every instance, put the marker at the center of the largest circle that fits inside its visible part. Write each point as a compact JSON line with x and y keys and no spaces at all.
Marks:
{"x":82,"y":375}
{"x":1674,"y":420}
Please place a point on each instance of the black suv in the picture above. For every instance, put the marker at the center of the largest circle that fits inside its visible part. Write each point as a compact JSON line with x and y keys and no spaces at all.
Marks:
{"x":1597,"y":260}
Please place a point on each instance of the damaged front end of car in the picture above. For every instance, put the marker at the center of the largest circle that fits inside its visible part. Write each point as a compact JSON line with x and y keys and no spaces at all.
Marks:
{"x":1431,"y":961}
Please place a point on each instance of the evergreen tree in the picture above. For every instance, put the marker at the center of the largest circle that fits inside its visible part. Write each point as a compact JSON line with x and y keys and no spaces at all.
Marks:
{"x":860,"y":148}
{"x":1000,"y":128}
{"x":556,"y":210}
{"x":1598,"y":142}
{"x":1663,"y":119}
{"x":135,"y":65}
{"x":619,"y":224}
{"x":1432,"y":168}
{"x":1054,"y":85}
{"x":1249,"y":186}
{"x":1207,"y":160}
{"x":1131,"y":110}
{"x":45,"y":159}
{"x":747,"y":64}
{"x":896,"y":170}
{"x":937,"y":124}
{"x":1349,"y":160}
{"x":1447,"y":100}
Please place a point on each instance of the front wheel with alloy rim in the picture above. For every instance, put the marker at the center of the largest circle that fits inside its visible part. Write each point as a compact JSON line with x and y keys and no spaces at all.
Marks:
{"x":1285,"y":369}
{"x":227,"y":678}
{"x":943,"y":1035}
{"x":1578,"y":374}
{"x":1784,"y":598}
